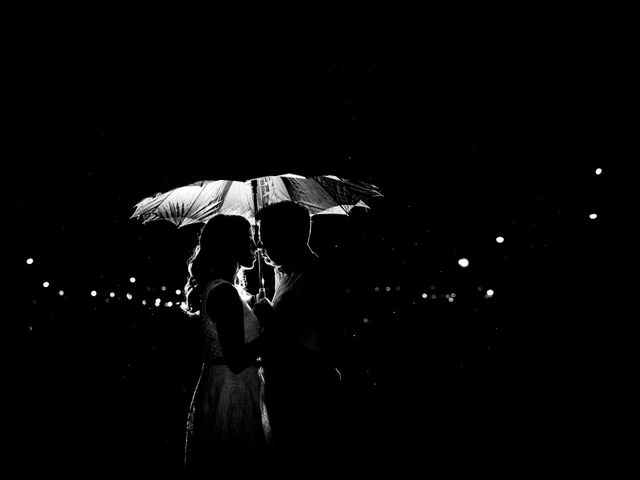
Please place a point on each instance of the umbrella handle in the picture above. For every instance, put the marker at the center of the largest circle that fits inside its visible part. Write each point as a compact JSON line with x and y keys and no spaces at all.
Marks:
{"x":261,"y":291}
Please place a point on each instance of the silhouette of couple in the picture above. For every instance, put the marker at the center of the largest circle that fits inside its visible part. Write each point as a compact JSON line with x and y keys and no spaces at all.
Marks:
{"x":267,"y":391}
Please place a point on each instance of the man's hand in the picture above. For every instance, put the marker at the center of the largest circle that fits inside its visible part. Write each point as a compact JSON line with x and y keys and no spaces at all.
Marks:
{"x":265,"y":313}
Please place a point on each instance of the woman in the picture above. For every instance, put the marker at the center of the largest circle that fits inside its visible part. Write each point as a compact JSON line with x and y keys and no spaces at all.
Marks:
{"x":227,"y":418}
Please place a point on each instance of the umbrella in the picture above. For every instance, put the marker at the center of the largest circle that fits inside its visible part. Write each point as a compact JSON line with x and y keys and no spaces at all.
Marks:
{"x":199,"y":201}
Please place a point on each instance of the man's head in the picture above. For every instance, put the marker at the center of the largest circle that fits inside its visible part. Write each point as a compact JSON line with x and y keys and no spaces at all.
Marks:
{"x":284,"y":230}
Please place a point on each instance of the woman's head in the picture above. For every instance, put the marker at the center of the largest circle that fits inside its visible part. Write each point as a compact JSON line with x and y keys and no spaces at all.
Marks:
{"x":225,"y":248}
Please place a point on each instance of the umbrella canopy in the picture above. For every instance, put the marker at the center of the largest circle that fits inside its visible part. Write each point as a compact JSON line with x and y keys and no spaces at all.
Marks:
{"x":199,"y":201}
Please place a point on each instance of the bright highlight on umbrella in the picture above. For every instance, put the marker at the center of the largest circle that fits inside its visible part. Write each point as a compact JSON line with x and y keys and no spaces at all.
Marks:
{"x":463,"y":262}
{"x":199,"y":201}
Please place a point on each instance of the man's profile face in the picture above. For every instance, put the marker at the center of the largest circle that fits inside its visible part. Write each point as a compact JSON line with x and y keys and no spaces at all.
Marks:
{"x":268,"y":241}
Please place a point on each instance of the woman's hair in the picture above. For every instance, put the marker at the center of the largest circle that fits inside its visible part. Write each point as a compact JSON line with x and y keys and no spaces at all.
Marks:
{"x":221,"y":242}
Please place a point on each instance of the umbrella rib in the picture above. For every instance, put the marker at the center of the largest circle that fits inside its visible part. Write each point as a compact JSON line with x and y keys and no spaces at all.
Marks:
{"x":186,"y":214}
{"x":329,"y":193}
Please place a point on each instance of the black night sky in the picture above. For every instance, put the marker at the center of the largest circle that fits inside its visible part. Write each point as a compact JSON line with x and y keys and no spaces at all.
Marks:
{"x":470,"y":138}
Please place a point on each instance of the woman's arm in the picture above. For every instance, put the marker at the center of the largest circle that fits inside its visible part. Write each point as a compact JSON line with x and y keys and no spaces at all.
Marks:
{"x":224,"y":306}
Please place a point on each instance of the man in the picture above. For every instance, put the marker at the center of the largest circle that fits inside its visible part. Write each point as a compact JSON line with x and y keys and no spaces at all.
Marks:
{"x":300,"y":374}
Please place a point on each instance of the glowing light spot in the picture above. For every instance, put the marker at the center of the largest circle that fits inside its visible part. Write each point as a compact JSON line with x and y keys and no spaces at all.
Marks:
{"x":111,"y":294}
{"x":29,"y":261}
{"x":388,"y":289}
{"x":425,"y":295}
{"x":453,"y":295}
{"x":463,"y":262}
{"x":499,"y":239}
{"x":593,"y":216}
{"x":450,"y":299}
{"x":144,"y":302}
{"x":489,"y":293}
{"x":132,"y":279}
{"x":129,"y":296}
{"x":377,"y":289}
{"x":178,"y":292}
{"x":365,"y":320}
{"x":168,"y":304}
{"x":163,"y":288}
{"x":45,"y":284}
{"x":93,"y":293}
{"x":158,"y":302}
{"x":61,"y":292}
{"x":598,"y":171}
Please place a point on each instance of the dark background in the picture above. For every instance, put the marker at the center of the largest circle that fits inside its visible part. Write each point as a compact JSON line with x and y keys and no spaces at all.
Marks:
{"x":470,"y":134}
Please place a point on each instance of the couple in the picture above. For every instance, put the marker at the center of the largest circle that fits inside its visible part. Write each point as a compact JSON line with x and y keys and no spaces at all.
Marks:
{"x":267,"y":389}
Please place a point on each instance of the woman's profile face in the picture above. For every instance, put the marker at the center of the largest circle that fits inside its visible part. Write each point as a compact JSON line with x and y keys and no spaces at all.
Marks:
{"x":248,"y":250}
